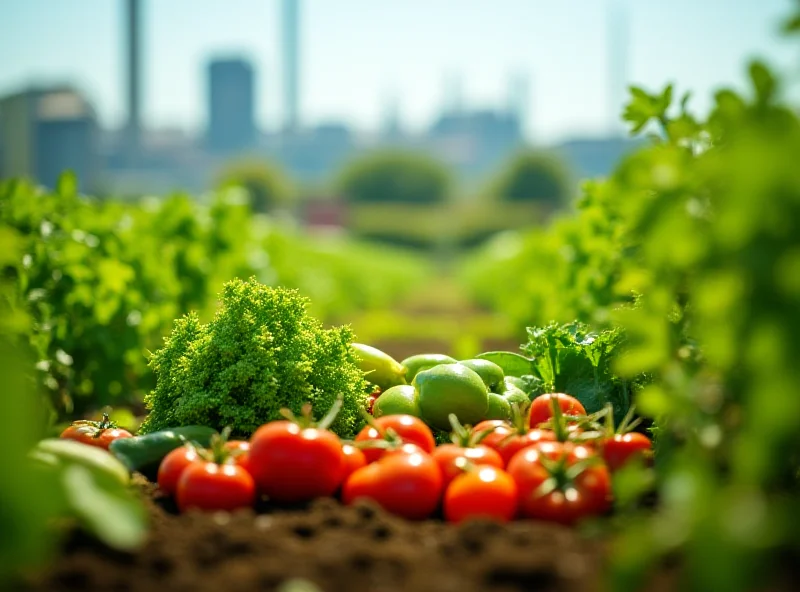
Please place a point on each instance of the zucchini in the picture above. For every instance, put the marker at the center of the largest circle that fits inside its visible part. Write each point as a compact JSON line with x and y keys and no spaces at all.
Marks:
{"x":144,"y":453}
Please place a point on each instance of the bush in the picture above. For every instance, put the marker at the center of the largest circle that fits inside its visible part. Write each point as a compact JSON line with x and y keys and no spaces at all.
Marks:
{"x":536,"y":177}
{"x":260,"y":353}
{"x":395,"y":177}
{"x":267,"y":186}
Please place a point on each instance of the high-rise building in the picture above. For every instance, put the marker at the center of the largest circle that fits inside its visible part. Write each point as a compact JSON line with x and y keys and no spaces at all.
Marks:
{"x":47,"y":131}
{"x":231,"y":105}
{"x":133,"y":125}
{"x":290,"y":36}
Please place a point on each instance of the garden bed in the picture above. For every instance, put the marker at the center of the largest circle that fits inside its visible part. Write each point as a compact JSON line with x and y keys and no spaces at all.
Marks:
{"x":339,"y":548}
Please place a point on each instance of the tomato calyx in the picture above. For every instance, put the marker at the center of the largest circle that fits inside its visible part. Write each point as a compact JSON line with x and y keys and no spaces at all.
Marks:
{"x":573,"y":428}
{"x":306,"y":421}
{"x":562,"y":474}
{"x":464,"y":437}
{"x":518,"y":425}
{"x":217,"y":451}
{"x":95,"y":428}
{"x":389,"y":438}
{"x":628,"y":423}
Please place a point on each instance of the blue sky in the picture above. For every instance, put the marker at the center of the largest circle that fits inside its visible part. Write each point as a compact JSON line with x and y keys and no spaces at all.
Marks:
{"x":356,"y":54}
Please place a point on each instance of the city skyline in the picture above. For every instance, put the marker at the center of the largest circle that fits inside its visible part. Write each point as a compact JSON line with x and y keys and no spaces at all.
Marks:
{"x":574,"y":102}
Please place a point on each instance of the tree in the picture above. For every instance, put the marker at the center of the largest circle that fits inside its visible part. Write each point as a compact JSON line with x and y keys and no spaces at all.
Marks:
{"x":395,"y":177}
{"x":267,"y":185}
{"x":534,"y":176}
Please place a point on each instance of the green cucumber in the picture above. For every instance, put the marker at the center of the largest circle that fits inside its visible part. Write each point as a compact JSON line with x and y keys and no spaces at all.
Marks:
{"x":144,"y":453}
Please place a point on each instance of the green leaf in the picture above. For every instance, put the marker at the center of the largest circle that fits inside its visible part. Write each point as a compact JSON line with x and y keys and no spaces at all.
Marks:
{"x":67,"y":185}
{"x":513,"y":364}
{"x":107,"y":508}
{"x":792,"y":25}
{"x":764,"y":82}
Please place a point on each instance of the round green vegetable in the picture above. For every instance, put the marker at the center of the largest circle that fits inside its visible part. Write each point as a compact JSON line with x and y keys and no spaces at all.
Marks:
{"x":499,"y":407}
{"x":451,"y":388}
{"x":490,"y":373}
{"x":420,"y":362}
{"x":402,"y":399}
{"x":514,"y":395}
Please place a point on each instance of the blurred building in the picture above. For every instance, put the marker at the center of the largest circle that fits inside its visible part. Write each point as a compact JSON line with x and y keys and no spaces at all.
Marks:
{"x":231,"y":106}
{"x":595,"y":157}
{"x":475,"y":141}
{"x":314,"y":153}
{"x":45,"y":131}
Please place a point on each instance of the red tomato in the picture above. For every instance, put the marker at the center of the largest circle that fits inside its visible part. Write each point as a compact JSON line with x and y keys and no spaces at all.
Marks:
{"x":290,"y":463}
{"x":541,"y":408}
{"x":447,"y":454}
{"x":486,"y":491}
{"x":354,"y":459}
{"x":95,"y":433}
{"x":621,"y":448}
{"x":407,"y":427}
{"x":209,"y":486}
{"x":242,"y":458}
{"x":408,"y":484}
{"x":508,"y":440}
{"x":371,"y":401}
{"x":500,"y":429}
{"x":571,"y":499}
{"x":172,"y":467}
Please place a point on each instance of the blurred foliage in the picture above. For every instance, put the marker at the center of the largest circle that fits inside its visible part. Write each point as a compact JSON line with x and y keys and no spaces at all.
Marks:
{"x":37,"y":500}
{"x":395,"y":177}
{"x":533,"y":177}
{"x":26,"y":505}
{"x":102,"y":281}
{"x":713,"y":218}
{"x":267,"y":186}
{"x":692,"y":248}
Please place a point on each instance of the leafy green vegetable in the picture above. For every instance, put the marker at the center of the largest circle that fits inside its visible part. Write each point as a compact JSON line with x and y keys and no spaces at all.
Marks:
{"x":261,"y":352}
{"x":572,"y":359}
{"x":512,"y":363}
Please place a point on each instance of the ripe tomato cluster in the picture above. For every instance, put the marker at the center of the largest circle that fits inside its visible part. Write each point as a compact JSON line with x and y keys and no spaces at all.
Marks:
{"x":537,"y":466}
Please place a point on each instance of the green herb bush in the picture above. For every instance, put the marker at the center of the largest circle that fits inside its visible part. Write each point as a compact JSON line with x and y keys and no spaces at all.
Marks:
{"x":261,"y":352}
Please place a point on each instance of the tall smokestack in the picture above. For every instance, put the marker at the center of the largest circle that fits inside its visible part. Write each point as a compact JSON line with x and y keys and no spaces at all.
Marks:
{"x":133,"y":48}
{"x":519,"y":98}
{"x":290,"y":31}
{"x":617,"y":61}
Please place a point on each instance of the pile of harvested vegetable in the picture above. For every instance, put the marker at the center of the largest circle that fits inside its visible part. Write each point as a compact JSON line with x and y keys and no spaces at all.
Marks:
{"x":239,"y":443}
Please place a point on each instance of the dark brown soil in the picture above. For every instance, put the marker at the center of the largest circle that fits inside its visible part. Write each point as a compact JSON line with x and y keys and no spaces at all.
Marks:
{"x":341,"y":549}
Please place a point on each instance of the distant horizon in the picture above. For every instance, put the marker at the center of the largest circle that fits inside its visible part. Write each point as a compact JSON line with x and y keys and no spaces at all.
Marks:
{"x":419,"y":64}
